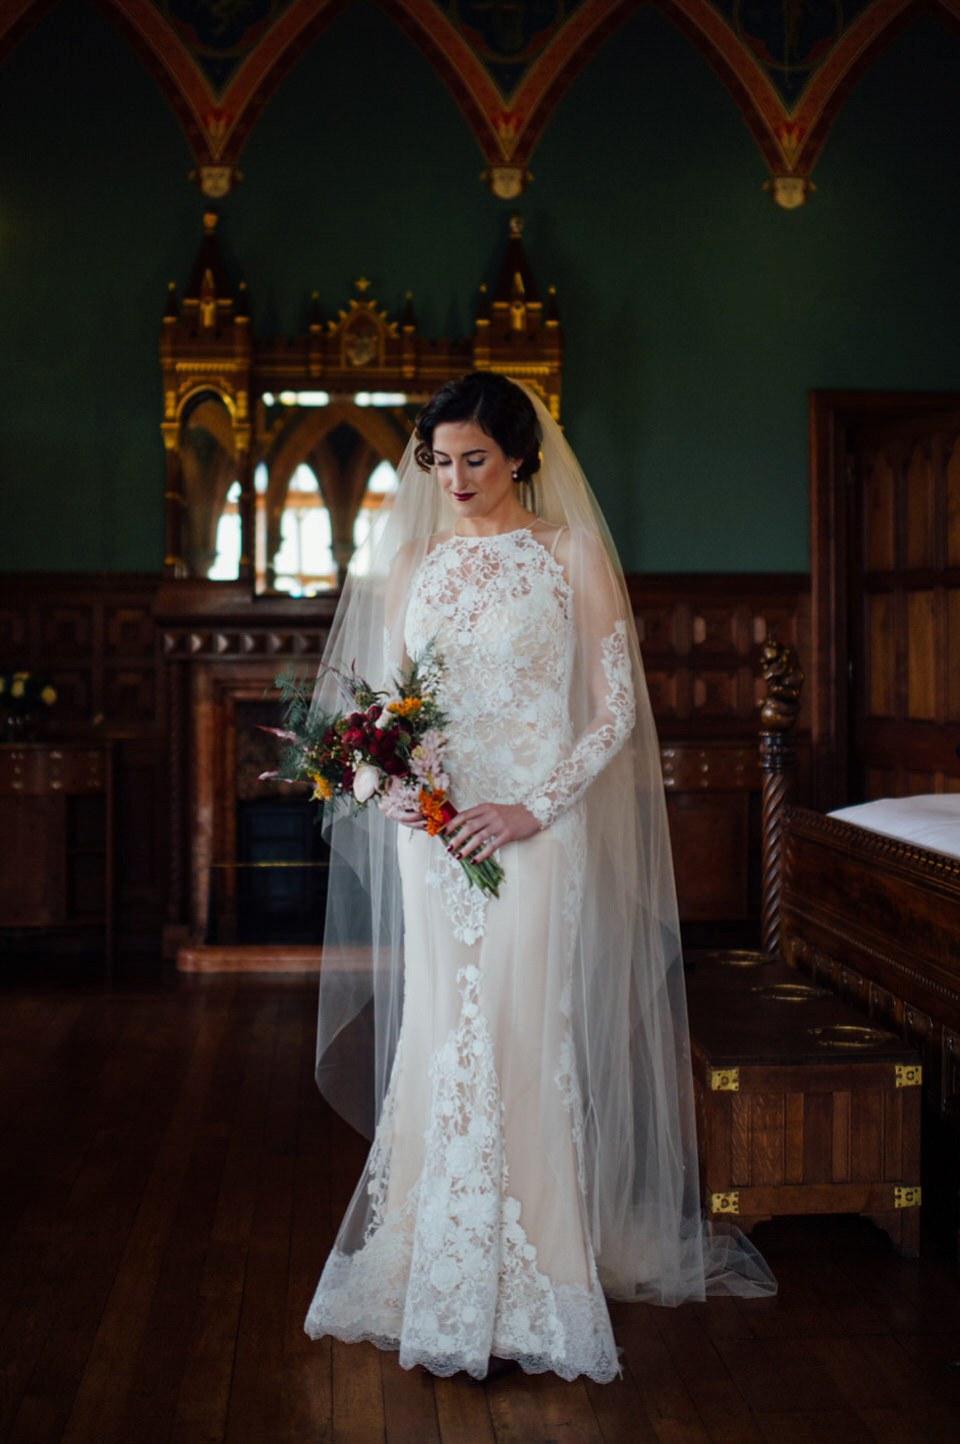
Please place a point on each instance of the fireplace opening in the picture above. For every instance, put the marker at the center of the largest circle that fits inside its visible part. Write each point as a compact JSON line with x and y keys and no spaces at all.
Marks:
{"x":276,"y":890}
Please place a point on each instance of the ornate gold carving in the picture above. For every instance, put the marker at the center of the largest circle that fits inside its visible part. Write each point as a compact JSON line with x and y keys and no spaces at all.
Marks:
{"x":725,"y":1080}
{"x":909,"y":1075}
{"x":507,"y":181}
{"x":789,"y":191}
{"x":216,"y":180}
{"x":728,"y":1202}
{"x":905,"y":1196}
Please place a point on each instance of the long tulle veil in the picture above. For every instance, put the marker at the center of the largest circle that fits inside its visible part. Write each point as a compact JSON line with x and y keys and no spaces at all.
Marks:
{"x":627,"y":1004}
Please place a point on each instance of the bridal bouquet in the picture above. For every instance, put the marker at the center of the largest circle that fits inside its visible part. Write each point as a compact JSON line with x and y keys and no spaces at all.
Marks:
{"x":385,"y":746}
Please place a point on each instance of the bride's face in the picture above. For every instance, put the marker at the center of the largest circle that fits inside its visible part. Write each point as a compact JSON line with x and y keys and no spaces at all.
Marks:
{"x":474,"y":474}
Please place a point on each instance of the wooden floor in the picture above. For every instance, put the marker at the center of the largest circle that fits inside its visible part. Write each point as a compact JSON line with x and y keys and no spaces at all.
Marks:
{"x":171,"y":1186}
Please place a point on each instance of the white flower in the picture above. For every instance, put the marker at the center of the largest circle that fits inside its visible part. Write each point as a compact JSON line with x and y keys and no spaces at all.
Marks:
{"x":366,"y":781}
{"x":459,"y":1157}
{"x":444,"y":1275}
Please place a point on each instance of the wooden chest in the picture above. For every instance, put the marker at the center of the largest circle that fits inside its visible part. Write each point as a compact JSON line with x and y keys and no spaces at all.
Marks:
{"x":802,"y":1107}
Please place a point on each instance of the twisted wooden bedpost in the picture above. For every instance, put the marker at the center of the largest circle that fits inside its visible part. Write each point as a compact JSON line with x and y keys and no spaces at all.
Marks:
{"x":778,"y":762}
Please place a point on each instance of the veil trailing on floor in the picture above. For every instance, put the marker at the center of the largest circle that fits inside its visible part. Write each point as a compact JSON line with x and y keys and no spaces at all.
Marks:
{"x":627,"y":1004}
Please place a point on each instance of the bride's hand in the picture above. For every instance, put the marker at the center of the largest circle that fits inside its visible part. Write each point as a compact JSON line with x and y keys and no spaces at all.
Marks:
{"x":478,"y":831}
{"x":409,"y":816}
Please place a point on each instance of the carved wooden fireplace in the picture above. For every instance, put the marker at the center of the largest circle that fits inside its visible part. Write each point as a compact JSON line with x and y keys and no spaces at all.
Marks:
{"x":224,"y":648}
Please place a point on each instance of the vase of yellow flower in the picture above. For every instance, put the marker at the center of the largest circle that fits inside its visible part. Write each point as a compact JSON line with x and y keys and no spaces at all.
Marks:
{"x":24,"y":697}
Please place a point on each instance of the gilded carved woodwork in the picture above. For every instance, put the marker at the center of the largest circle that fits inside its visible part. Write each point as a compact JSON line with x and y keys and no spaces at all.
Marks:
{"x":230,"y":398}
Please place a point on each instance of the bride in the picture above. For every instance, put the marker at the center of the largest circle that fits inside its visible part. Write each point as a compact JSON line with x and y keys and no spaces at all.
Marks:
{"x":529,"y":1091}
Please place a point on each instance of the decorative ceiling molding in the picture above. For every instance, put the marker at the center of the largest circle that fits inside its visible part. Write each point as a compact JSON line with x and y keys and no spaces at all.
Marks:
{"x":789,"y":67}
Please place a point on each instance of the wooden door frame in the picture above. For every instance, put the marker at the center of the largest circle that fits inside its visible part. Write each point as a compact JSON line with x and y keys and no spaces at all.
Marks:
{"x":832,"y":413}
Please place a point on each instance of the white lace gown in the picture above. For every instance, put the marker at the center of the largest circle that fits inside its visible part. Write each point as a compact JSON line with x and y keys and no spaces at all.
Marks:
{"x":468,"y":1234}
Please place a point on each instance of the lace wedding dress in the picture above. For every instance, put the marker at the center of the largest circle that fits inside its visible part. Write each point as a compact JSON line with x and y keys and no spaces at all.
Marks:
{"x":469,"y":1232}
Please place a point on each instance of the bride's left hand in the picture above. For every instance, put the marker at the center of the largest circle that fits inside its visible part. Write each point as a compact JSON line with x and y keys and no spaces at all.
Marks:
{"x":478,"y":831}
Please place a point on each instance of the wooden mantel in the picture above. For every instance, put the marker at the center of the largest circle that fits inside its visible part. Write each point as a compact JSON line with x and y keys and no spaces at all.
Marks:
{"x":225,"y":647}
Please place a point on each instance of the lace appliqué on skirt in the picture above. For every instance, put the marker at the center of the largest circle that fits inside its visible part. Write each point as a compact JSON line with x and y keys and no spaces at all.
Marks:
{"x":449,"y":1276}
{"x":464,"y":905}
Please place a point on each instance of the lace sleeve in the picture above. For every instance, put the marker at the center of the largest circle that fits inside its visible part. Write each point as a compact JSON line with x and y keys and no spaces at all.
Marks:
{"x":602,"y":640}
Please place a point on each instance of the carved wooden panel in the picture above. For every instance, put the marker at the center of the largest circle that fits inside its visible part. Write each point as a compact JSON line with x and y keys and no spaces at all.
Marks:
{"x":130,"y":631}
{"x":885,"y":558}
{"x":129,"y":694}
{"x":898,"y":583}
{"x":710,"y":840}
{"x":95,"y":638}
{"x":953,"y":508}
{"x":67,"y":630}
{"x":701,"y":638}
{"x":13,"y":630}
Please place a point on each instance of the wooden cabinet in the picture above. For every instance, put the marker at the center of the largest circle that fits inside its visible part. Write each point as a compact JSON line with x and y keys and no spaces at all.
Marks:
{"x":56,"y":838}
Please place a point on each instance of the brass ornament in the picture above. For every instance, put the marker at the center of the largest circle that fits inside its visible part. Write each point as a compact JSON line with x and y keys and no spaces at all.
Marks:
{"x":789,"y":191}
{"x":850,"y":1035}
{"x":905,"y":1196}
{"x":725,"y":1080}
{"x":909,"y":1075}
{"x":791,"y":992}
{"x":507,"y":181}
{"x":742,"y":958}
{"x":728,"y":1202}
{"x":216,"y":180}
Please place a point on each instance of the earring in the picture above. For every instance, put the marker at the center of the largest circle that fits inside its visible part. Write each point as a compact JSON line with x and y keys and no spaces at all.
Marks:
{"x":516,"y":475}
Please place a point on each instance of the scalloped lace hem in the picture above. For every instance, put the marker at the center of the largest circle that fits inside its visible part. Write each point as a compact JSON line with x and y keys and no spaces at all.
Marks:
{"x":351,"y":1307}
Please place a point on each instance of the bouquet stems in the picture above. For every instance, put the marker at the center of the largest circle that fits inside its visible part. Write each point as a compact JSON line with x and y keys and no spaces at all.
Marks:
{"x":486,"y":875}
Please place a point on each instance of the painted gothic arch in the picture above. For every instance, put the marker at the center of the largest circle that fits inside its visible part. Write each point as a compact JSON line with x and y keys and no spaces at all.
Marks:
{"x":507,"y":102}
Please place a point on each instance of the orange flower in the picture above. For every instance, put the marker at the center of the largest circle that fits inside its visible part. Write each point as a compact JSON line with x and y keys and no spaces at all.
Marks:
{"x":405,"y":707}
{"x":435,"y":809}
{"x":322,"y":789}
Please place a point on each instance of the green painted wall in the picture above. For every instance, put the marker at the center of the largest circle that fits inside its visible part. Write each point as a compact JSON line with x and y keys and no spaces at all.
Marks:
{"x":697,"y":314}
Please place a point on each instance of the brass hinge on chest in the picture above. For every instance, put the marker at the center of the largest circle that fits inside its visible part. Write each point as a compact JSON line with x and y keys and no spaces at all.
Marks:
{"x":906,"y":1197}
{"x":725,"y":1080}
{"x":908,"y":1075}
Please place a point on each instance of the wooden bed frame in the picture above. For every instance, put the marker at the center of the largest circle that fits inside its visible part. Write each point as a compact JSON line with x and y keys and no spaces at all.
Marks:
{"x":875,"y":918}
{"x":879,"y":920}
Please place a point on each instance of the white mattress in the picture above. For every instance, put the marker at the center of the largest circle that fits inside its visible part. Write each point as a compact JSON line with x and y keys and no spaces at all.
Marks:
{"x":931,"y":821}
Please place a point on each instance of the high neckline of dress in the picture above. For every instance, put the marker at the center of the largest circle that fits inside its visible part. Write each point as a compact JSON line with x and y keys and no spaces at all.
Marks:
{"x":493,"y":536}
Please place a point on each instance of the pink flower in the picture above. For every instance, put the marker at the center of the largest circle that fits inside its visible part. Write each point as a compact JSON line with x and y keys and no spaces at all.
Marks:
{"x":399,"y":800}
{"x":366,"y":781}
{"x":426,"y":762}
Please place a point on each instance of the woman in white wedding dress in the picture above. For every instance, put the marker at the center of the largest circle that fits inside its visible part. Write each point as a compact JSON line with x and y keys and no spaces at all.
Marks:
{"x":534,"y":1144}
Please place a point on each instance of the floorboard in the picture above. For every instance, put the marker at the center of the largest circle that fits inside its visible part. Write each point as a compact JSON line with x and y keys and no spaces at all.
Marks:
{"x":172,"y":1184}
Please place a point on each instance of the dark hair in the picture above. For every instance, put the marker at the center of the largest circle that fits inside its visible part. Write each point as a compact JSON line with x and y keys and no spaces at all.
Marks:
{"x":501,"y":409}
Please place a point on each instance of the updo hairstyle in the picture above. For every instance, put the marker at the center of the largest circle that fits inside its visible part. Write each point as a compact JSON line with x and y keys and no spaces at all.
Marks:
{"x":501,"y":409}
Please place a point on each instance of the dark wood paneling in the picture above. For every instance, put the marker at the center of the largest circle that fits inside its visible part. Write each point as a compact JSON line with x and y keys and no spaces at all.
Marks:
{"x":885,"y":508}
{"x":123,"y":674}
{"x":95,"y":637}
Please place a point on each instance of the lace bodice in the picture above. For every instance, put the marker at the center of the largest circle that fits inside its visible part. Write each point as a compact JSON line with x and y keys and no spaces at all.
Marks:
{"x":501,"y":614}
